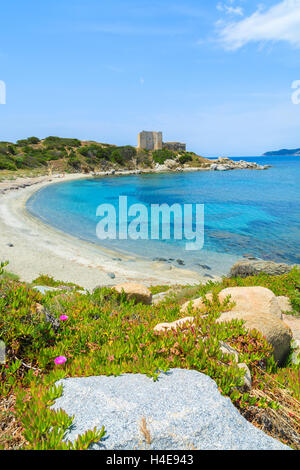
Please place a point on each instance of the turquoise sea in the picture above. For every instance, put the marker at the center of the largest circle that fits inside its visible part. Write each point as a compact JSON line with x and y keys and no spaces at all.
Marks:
{"x":246,"y":211}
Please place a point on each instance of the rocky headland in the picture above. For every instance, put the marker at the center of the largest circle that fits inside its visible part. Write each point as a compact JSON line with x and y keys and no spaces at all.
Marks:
{"x":283,"y":153}
{"x":225,"y":164}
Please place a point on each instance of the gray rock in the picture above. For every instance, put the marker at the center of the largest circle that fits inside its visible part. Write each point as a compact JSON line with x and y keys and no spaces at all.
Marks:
{"x":227,"y":349}
{"x":182,"y":410}
{"x":44,"y":289}
{"x":2,"y":352}
{"x":157,"y":298}
{"x":111,"y":275}
{"x":248,"y":267}
{"x":222,"y":168}
{"x":54,"y":322}
{"x":295,"y":359}
{"x":247,"y":385}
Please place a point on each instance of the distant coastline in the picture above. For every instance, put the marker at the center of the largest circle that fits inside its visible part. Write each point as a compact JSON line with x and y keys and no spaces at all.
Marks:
{"x":283,"y":153}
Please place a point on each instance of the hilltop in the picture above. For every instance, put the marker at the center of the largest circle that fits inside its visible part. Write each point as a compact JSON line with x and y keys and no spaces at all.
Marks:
{"x":73,"y":155}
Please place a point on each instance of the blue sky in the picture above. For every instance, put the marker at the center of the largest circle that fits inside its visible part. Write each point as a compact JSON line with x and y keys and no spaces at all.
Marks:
{"x":214,"y":74}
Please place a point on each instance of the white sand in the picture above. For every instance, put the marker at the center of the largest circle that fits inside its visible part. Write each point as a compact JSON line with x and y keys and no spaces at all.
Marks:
{"x":40,"y":249}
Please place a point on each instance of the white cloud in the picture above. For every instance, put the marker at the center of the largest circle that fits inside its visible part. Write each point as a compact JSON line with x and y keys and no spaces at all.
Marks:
{"x":230,"y":10}
{"x":234,"y":10}
{"x":279,"y":23}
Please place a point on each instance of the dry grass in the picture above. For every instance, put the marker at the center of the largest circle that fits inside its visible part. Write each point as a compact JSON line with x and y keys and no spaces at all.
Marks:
{"x":11,"y":437}
{"x":6,"y":175}
{"x":283,"y":423}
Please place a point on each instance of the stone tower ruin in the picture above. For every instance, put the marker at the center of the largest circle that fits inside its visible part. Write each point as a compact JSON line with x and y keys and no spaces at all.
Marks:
{"x":150,"y":140}
{"x":154,"y":141}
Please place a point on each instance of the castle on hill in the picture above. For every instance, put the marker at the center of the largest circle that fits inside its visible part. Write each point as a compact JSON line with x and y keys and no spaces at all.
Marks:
{"x":149,"y":140}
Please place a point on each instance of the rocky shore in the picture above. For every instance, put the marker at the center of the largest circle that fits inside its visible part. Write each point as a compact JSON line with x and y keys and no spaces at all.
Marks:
{"x":221,"y":164}
{"x":225,"y":164}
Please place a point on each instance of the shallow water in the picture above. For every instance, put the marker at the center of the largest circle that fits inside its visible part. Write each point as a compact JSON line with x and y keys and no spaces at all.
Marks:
{"x":246,"y":212}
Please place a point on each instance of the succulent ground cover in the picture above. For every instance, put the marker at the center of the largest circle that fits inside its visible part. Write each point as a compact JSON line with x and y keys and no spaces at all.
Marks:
{"x":68,"y":334}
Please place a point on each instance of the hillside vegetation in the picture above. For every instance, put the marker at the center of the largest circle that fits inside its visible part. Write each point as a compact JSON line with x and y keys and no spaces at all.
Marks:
{"x":73,"y":155}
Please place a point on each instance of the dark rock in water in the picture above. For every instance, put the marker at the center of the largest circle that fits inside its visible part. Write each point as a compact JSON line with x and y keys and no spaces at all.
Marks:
{"x":180,"y":262}
{"x":171,"y":259}
{"x":182,"y":410}
{"x":249,"y":257}
{"x":163,"y":260}
{"x":204,"y":266}
{"x":208,"y":275}
{"x":247,"y":267}
{"x":111,"y":275}
{"x":116,"y":259}
{"x":10,"y":245}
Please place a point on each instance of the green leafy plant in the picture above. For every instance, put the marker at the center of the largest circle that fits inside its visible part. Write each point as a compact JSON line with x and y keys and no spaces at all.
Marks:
{"x":3,"y":264}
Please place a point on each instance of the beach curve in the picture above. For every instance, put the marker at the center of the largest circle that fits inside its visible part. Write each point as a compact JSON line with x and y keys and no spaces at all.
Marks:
{"x":33,"y":248}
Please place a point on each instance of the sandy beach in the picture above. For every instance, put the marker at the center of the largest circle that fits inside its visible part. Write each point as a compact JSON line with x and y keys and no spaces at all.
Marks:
{"x":40,"y":249}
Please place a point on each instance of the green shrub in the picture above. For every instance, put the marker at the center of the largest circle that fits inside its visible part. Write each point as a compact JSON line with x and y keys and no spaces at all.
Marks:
{"x":185,"y":158}
{"x":29,"y":141}
{"x":60,"y":143}
{"x":160,"y":156}
{"x":45,"y":280}
{"x":3,"y":264}
{"x":7,"y":164}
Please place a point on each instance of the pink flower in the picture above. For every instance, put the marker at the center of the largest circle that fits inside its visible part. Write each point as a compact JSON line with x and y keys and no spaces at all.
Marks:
{"x":63,"y":317}
{"x":60,"y":360}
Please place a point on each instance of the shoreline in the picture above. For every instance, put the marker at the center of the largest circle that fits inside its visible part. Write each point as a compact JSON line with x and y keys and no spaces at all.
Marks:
{"x":38,"y":248}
